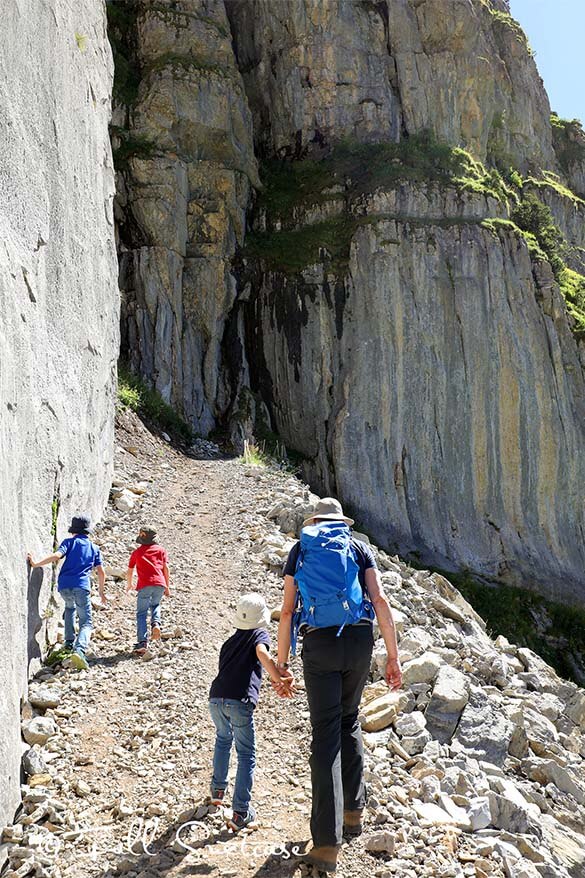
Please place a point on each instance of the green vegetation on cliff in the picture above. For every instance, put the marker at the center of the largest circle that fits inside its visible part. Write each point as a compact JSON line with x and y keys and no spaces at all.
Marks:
{"x":135,"y":394}
{"x":553,"y":630}
{"x":348,"y":172}
{"x":353,"y":169}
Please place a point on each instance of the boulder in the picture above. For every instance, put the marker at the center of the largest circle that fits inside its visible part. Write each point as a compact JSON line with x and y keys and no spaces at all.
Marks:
{"x":39,"y":729}
{"x":423,"y":669}
{"x":43,"y":695}
{"x":449,"y":697}
{"x":380,"y":712}
{"x":410,"y":724}
{"x":511,"y":815}
{"x":380,"y":842}
{"x":33,"y":762}
{"x":479,"y":813}
{"x":483,"y":730}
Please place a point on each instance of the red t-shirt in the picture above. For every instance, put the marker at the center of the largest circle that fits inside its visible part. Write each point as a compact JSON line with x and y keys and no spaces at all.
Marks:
{"x":149,"y":562}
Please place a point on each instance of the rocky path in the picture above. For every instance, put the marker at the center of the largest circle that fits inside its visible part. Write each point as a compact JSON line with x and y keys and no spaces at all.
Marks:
{"x":474,"y":771}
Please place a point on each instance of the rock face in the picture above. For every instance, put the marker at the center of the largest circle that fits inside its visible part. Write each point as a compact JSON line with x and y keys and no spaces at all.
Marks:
{"x":439,"y":452}
{"x":185,"y":163}
{"x":59,"y":304}
{"x":378,"y":326}
{"x":339,"y":69}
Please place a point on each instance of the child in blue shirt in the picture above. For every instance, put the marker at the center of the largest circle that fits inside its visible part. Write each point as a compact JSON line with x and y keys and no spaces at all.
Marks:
{"x":74,"y":585}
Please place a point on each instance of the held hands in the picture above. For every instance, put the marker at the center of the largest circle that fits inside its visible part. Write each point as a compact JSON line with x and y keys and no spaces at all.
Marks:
{"x":393,"y":675}
{"x":285,"y":686}
{"x":30,"y":561}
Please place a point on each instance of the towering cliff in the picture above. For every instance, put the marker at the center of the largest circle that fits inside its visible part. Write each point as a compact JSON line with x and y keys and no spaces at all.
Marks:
{"x":409,"y":305}
{"x":59,"y":305}
{"x":185,"y":160}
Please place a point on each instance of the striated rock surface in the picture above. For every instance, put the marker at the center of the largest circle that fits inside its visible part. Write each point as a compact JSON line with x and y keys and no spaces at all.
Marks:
{"x":464,"y":442}
{"x":319,"y":72}
{"x":185,"y":169}
{"x":59,"y":304}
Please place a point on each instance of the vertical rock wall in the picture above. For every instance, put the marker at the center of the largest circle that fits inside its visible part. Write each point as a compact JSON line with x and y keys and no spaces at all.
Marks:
{"x":59,"y":306}
{"x":183,"y":190}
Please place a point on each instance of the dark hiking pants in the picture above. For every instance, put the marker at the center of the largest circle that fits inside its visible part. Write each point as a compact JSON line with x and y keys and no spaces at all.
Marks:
{"x":335,"y":670}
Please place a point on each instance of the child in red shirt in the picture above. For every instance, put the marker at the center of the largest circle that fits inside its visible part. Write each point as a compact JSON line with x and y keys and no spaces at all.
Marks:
{"x":150,"y":561}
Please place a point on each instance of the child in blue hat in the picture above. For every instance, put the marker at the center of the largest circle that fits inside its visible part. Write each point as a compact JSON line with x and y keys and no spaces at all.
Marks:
{"x":74,"y":585}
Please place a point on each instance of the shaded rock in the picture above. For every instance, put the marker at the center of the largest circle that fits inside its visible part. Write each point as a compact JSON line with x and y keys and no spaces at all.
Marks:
{"x":483,"y":730}
{"x":449,"y":697}
{"x":33,"y":762}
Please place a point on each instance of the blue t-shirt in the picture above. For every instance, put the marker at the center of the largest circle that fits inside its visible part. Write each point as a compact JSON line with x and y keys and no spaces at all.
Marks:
{"x":80,"y":557}
{"x":240,"y":672}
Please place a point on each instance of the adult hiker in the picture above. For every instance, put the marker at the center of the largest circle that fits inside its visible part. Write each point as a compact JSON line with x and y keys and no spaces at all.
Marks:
{"x":332,"y":592}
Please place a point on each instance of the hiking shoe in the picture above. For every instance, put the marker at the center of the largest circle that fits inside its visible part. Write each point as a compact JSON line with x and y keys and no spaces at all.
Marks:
{"x":352,"y":823}
{"x":78,"y":661}
{"x":140,"y":647}
{"x":239,"y":821}
{"x":323,"y":857}
{"x":217,"y":796}
{"x":156,"y":632}
{"x":68,"y":646}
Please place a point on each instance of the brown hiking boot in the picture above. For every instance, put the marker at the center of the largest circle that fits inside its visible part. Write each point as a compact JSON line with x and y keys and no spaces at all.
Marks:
{"x":324,"y":857}
{"x":352,"y":822}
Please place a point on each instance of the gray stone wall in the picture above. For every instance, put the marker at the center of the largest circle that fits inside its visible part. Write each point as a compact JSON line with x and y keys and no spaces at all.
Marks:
{"x":59,"y":313}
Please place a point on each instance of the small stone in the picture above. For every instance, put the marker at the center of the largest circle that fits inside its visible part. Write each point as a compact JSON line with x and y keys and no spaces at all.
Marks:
{"x":40,"y":780}
{"x":381,"y":842}
{"x":82,"y":788}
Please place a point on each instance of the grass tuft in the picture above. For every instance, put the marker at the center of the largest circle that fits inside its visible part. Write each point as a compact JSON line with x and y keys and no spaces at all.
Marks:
{"x":254,"y":455}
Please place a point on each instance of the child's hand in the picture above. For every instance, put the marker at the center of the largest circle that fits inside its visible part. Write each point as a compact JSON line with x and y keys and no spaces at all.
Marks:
{"x":30,"y":560}
{"x":167,"y":592}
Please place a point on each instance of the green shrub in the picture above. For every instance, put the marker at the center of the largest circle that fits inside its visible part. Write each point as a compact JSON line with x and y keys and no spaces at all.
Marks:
{"x":133,"y":393}
{"x":351,"y":169}
{"x":534,"y":217}
{"x":572,"y":286}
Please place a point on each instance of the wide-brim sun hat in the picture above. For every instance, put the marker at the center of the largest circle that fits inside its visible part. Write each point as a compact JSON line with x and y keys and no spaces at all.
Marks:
{"x":251,"y":612}
{"x":80,"y":524}
{"x":330,"y":509}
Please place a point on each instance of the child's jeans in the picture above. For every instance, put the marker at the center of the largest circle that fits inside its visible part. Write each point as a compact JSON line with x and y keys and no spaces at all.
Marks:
{"x":77,"y":599}
{"x":234,"y":721}
{"x":147,"y":598}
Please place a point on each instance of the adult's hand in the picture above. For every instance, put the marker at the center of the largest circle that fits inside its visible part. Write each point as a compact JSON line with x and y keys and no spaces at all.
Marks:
{"x":393,"y":673}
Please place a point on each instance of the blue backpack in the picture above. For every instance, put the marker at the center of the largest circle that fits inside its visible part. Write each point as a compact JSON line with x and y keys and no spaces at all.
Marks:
{"x":329,"y":590}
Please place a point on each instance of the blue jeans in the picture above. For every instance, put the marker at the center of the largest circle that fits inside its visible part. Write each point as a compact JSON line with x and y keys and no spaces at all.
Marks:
{"x":147,"y":598}
{"x":234,"y":722}
{"x":77,"y":599}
